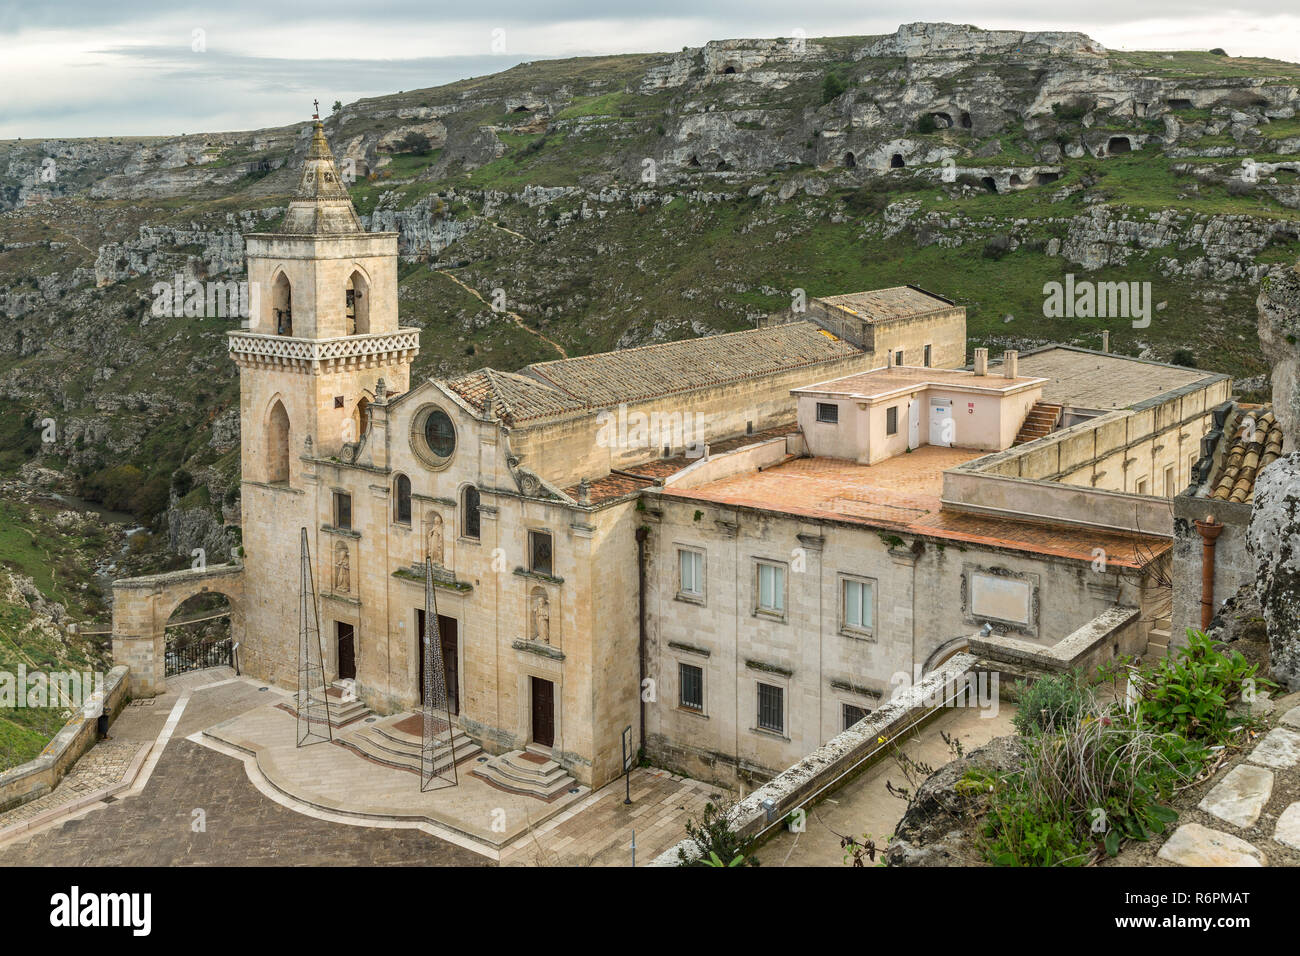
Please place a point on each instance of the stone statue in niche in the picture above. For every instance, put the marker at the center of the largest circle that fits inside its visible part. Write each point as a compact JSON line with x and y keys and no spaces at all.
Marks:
{"x":434,"y":536}
{"x":541,"y":616}
{"x":342,"y":568}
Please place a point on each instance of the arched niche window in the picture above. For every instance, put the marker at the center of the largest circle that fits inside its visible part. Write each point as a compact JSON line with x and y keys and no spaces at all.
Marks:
{"x":357,"y":305}
{"x":282,"y":305}
{"x":361,"y":418}
{"x":470,"y":513}
{"x":402,"y":499}
{"x":277,"y":444}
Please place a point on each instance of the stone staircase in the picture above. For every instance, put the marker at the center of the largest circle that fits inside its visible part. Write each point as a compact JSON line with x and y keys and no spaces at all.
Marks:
{"x":530,"y":771}
{"x":1041,"y":420}
{"x":345,"y":708}
{"x":393,"y":744}
{"x":1158,"y":639}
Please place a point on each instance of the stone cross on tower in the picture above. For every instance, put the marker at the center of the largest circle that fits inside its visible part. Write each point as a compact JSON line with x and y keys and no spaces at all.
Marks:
{"x":315,"y":109}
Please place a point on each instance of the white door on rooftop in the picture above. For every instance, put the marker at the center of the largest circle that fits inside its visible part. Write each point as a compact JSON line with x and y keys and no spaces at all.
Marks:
{"x":941,"y":424}
{"x":913,"y":423}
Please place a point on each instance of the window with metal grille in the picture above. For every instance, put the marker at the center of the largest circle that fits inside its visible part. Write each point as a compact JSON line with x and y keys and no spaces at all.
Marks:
{"x":692,"y":572}
{"x":539,"y":552}
{"x":828,"y":412}
{"x":690,"y":681}
{"x":852,"y":714}
{"x":342,"y":511}
{"x":891,"y":420}
{"x":771,"y":708}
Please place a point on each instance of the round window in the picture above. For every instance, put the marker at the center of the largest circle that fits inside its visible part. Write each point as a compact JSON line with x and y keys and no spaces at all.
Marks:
{"x":435,"y":436}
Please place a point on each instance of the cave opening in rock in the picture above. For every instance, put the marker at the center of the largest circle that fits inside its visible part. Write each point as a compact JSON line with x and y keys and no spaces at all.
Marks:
{"x":965,"y":120}
{"x":989,"y":184}
{"x":722,"y":164}
{"x":728,"y":70}
{"x":897,"y":161}
{"x":1180,"y":104}
{"x":521,"y":109}
{"x":1119,"y":144}
{"x":941,"y":120}
{"x":1015,"y":180}
{"x":694,"y":162}
{"x":1042,"y":179}
{"x":850,"y":160}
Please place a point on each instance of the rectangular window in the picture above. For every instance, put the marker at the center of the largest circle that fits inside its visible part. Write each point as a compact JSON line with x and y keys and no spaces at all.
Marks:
{"x":539,"y":552}
{"x":1170,"y":482}
{"x":859,"y":605}
{"x":927,"y":356}
{"x":898,"y":357}
{"x":342,"y":511}
{"x":891,"y":420}
{"x":771,"y":708}
{"x":691,"y":564}
{"x":828,"y":412}
{"x":771,"y":587}
{"x":690,"y":681}
{"x":1141,"y":486}
{"x":852,"y":714}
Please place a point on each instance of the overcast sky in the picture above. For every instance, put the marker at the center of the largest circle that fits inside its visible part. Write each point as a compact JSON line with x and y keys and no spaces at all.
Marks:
{"x":164,"y":67}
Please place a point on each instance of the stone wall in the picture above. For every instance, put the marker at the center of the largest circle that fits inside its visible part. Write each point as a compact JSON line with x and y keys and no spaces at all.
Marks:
{"x":38,"y":777}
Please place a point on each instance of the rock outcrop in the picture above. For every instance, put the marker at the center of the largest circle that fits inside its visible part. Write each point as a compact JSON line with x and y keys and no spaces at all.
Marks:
{"x":1274,"y":541}
{"x":1279,"y":334}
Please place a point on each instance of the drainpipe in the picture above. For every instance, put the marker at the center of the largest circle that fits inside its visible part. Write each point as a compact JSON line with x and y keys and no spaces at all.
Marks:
{"x":641,"y":535}
{"x":1210,"y":530}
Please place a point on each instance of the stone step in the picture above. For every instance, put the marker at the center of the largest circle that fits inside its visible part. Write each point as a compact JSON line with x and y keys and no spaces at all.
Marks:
{"x":513,"y":771}
{"x":404,"y":754}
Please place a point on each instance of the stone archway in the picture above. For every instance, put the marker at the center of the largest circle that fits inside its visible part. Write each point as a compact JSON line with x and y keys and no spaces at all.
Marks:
{"x":143,"y":606}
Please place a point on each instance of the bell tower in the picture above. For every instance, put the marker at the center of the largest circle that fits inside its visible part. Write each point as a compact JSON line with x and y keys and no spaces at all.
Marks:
{"x":323,"y":327}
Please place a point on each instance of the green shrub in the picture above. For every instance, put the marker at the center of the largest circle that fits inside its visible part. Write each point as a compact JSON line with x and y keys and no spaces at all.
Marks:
{"x":1192,"y":693}
{"x":833,"y":84}
{"x":717,"y":843}
{"x":1050,"y":703}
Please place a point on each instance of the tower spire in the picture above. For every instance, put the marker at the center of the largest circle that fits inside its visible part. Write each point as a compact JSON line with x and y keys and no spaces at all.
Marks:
{"x":321,"y":205}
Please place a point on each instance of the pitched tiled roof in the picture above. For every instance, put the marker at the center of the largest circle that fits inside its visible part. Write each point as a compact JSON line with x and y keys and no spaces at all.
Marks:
{"x":631,"y":375}
{"x":1251,"y":450}
{"x":514,"y":398}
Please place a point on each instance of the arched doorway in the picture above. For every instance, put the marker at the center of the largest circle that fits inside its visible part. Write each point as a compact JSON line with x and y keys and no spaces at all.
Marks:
{"x":361,"y":418}
{"x":282,"y":305}
{"x":197,"y":634}
{"x":277,"y":444}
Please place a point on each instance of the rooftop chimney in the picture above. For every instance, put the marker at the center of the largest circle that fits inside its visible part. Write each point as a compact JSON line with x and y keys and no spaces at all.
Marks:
{"x":1105,"y":340}
{"x":981,"y":361}
{"x":889,"y":358}
{"x":1010,"y":363}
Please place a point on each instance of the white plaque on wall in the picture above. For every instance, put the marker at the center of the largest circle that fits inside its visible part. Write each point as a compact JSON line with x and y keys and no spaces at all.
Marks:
{"x":1006,"y":599}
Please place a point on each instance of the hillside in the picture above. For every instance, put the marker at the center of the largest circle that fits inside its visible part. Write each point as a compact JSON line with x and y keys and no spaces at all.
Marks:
{"x":629,"y":199}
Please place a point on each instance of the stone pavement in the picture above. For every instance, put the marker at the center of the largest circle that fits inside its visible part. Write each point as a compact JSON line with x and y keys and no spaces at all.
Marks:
{"x":195,"y":800}
{"x":1251,"y":816}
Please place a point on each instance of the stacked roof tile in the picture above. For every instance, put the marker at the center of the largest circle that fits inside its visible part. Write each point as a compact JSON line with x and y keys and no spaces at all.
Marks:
{"x":1258,"y":442}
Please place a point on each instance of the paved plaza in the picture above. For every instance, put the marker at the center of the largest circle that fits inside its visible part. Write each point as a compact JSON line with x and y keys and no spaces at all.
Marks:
{"x":207,"y":774}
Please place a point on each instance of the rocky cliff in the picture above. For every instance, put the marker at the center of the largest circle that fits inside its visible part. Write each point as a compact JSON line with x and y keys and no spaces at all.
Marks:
{"x":621,"y":200}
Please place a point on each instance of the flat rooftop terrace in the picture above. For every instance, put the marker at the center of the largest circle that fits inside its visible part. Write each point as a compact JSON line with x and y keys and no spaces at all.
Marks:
{"x":1102,"y":380}
{"x":902,"y":494}
{"x":882,"y":382}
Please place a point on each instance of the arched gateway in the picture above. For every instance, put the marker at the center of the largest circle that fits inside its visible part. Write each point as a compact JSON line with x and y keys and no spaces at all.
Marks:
{"x":142,"y":607}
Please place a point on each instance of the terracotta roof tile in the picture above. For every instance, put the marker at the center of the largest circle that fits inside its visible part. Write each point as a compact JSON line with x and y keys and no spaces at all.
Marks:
{"x":1251,"y":450}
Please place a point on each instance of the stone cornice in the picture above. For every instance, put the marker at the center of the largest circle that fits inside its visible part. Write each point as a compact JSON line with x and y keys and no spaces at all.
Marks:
{"x":258,"y":349}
